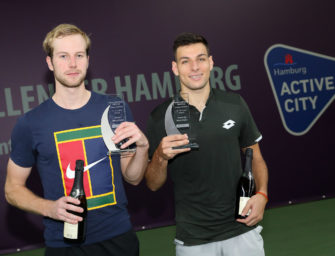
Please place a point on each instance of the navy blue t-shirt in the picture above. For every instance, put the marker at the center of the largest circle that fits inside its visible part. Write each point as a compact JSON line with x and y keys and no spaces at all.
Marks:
{"x":52,"y":139}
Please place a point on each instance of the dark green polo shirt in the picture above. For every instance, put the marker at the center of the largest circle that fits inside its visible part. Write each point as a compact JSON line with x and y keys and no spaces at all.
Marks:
{"x":205,"y":180}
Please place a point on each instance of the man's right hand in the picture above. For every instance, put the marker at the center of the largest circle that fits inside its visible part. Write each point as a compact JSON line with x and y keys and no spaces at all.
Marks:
{"x":58,"y":209}
{"x":165,"y":149}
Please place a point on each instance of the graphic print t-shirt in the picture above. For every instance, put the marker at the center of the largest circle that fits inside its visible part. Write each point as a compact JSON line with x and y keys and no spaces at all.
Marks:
{"x":52,"y":139}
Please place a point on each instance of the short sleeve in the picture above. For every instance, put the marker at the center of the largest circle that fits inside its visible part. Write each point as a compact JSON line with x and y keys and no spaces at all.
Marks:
{"x":155,"y":132}
{"x":250,"y":134}
{"x":22,"y":152}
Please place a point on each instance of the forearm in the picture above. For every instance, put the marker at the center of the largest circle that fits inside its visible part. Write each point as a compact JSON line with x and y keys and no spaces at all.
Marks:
{"x":24,"y":199}
{"x":259,"y":169}
{"x":135,"y":167}
{"x":156,"y":172}
{"x":260,"y":172}
{"x":18,"y":195}
{"x":257,"y":202}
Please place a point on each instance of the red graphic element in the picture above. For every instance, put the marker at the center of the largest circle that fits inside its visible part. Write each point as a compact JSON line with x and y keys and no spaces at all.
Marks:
{"x":69,"y":152}
{"x":288,"y":59}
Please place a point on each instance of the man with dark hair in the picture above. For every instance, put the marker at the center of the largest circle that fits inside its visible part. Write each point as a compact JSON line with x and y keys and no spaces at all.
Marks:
{"x":61,"y":130}
{"x":205,"y":180}
{"x":187,"y":39}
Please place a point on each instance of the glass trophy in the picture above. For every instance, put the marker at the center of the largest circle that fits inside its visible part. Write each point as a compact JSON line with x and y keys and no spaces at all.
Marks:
{"x":177,"y":120}
{"x":113,"y":116}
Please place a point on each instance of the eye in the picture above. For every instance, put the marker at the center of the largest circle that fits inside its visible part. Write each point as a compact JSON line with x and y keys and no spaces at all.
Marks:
{"x":80,"y":55}
{"x":184,"y":61}
{"x":62,"y":56}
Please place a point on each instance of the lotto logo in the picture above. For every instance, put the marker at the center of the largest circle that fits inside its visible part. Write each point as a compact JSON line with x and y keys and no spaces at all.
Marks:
{"x":228,"y":124}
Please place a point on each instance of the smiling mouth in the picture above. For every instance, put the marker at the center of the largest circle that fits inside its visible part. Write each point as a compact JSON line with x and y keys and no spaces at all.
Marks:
{"x":195,"y":77}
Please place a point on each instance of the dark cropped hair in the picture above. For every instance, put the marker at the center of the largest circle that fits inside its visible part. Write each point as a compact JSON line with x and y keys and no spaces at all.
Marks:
{"x":187,"y":39}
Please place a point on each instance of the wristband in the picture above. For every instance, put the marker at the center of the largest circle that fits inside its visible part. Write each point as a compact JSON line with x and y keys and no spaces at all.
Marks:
{"x":263,"y":194}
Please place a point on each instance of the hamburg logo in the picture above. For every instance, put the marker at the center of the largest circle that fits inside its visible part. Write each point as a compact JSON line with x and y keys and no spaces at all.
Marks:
{"x":84,"y":144}
{"x":288,"y":59}
{"x":302,"y":83}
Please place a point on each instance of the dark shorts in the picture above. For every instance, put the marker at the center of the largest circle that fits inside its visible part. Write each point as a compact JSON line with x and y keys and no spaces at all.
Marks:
{"x":123,"y":245}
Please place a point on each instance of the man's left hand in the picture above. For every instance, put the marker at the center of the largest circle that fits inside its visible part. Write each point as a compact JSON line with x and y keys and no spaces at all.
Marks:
{"x":132,"y":132}
{"x":256,"y":205}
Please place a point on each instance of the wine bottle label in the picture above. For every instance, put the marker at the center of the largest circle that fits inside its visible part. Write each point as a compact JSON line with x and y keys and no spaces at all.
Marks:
{"x":70,"y":230}
{"x":243,"y":202}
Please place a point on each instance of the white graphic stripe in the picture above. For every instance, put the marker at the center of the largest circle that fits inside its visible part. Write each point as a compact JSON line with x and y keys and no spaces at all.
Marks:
{"x":70,"y":173}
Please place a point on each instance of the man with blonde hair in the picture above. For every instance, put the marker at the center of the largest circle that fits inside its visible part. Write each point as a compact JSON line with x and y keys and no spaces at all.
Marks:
{"x":62,"y":129}
{"x":61,"y":31}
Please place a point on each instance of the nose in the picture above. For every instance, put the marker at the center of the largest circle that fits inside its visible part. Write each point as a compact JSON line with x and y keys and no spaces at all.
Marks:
{"x":195,"y":65}
{"x":72,"y":62}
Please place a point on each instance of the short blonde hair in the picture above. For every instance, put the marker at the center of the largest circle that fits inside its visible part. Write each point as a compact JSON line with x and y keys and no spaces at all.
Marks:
{"x":60,"y":31}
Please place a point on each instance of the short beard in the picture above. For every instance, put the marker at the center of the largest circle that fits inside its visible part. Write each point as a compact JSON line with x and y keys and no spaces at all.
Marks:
{"x":72,"y":85}
{"x":65,"y":84}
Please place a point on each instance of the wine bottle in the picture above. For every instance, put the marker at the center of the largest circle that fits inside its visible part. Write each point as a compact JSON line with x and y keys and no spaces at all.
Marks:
{"x":76,"y":233}
{"x":246,"y":186}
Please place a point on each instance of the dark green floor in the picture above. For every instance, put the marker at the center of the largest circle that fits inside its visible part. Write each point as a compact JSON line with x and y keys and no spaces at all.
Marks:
{"x":297,"y":230}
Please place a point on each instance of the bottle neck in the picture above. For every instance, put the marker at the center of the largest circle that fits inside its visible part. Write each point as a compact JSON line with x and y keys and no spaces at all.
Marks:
{"x":248,"y":162}
{"x":78,"y":184}
{"x":247,"y":166}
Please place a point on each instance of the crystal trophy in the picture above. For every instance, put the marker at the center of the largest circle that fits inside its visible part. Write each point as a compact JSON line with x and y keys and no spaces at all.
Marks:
{"x":113,"y":116}
{"x":177,"y":120}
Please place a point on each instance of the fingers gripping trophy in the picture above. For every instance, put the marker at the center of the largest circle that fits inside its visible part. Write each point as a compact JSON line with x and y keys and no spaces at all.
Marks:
{"x":177,"y":120}
{"x":112,"y":117}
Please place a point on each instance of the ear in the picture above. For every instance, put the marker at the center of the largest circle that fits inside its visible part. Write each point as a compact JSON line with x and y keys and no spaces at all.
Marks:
{"x":211,"y":62}
{"x":49,"y":62}
{"x":175,"y":68}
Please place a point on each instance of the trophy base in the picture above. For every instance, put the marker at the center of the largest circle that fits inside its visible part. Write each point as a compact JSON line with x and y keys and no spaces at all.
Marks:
{"x":192,"y":145}
{"x":130,"y":149}
{"x":121,"y":151}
